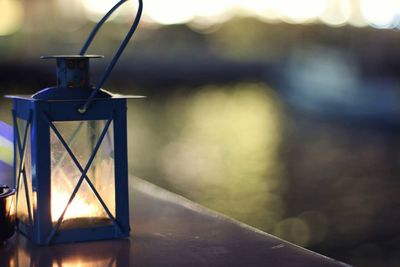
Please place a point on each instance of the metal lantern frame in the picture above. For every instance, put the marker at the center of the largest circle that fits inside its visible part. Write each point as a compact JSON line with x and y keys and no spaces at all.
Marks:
{"x":40,"y":117}
{"x":73,"y":100}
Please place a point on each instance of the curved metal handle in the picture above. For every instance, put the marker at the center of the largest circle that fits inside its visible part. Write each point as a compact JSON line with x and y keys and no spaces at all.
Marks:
{"x":114,"y":60}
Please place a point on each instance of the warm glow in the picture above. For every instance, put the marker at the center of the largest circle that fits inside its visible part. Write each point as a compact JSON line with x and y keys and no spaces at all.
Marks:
{"x":11,"y":16}
{"x":80,"y":207}
{"x":65,"y":175}
{"x":11,"y":263}
{"x":84,"y":263}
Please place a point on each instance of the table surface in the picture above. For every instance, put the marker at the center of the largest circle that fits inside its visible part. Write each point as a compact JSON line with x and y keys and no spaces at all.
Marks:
{"x":168,"y":230}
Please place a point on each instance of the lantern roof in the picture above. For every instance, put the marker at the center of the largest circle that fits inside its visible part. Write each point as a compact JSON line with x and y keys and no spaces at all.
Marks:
{"x":71,"y":56}
{"x":73,"y":81}
{"x":112,"y":96}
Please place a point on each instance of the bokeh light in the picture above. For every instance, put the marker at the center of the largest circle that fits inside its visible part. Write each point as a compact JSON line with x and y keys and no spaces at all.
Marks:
{"x":263,"y":9}
{"x":96,"y":9}
{"x":225,"y":156}
{"x":220,"y":148}
{"x":11,"y":16}
{"x":295,"y":230}
{"x":294,"y":11}
{"x":337,"y":12}
{"x":378,"y":14}
{"x":170,"y":12}
{"x":6,"y":151}
{"x":202,"y":14}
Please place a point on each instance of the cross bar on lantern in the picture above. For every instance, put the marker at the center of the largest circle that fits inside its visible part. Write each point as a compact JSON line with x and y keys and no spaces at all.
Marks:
{"x":70,"y":154}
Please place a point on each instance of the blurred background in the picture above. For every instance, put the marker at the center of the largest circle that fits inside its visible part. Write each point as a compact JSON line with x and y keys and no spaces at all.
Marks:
{"x":283,"y":114}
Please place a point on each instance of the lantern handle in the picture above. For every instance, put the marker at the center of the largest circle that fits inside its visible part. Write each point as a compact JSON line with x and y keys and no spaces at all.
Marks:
{"x":117,"y":55}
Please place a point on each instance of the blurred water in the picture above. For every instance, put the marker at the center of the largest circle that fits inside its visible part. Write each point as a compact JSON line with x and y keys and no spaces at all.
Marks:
{"x":330,"y":185}
{"x":327,"y":184}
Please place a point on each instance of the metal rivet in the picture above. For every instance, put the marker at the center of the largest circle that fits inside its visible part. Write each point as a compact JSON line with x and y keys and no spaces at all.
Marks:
{"x":82,"y":110}
{"x":71,"y":64}
{"x":71,"y":84}
{"x":82,"y":64}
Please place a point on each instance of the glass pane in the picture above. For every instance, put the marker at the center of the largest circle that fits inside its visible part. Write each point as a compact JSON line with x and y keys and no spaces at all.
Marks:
{"x":22,"y":205}
{"x":85,"y":210}
{"x":102,"y":168}
{"x":28,"y":167}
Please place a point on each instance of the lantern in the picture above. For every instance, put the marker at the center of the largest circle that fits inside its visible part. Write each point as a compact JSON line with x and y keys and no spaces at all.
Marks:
{"x":70,"y":155}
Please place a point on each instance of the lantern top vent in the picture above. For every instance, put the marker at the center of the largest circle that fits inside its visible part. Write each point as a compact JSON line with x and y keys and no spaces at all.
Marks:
{"x":73,"y":79}
{"x":72,"y":70}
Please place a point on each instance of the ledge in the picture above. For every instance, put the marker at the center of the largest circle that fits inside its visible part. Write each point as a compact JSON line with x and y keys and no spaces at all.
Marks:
{"x":169,"y":230}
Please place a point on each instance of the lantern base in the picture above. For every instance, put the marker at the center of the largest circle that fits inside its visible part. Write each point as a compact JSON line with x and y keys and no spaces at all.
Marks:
{"x":75,"y":235}
{"x":85,"y":222}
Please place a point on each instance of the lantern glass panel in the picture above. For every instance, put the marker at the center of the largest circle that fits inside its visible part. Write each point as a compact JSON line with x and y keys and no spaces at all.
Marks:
{"x":86,"y":209}
{"x":25,"y":181}
{"x":22,"y":207}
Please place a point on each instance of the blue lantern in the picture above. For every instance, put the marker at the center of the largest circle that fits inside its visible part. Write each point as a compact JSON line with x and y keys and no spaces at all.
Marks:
{"x":70,"y":154}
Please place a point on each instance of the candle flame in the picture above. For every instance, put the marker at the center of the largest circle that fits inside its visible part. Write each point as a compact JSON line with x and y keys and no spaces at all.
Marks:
{"x":78,"y":208}
{"x":84,"y":204}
